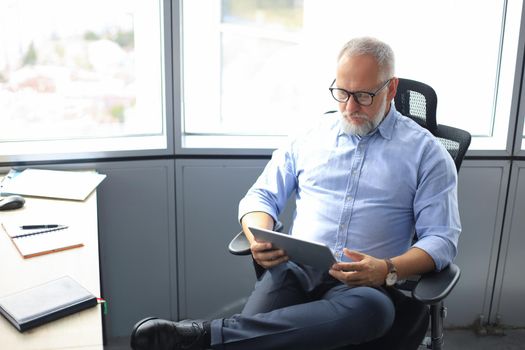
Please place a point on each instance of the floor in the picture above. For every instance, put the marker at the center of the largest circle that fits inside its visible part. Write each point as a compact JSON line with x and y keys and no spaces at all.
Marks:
{"x":454,"y":340}
{"x":467,"y":339}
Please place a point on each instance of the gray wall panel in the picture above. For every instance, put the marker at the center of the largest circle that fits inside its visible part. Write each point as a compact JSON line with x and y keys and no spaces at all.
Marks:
{"x":509,"y":306}
{"x":481,"y":193}
{"x":212,"y":281}
{"x":137,"y":242}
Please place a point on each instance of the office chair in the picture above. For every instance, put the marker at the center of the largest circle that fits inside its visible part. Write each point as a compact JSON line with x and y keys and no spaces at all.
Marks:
{"x":417,"y":101}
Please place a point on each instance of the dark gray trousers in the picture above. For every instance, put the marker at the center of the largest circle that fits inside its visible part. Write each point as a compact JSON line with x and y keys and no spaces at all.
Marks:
{"x":296,"y":307}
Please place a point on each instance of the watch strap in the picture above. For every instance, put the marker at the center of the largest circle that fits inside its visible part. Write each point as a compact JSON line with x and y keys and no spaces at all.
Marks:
{"x":391,"y":275}
{"x":390,"y":266}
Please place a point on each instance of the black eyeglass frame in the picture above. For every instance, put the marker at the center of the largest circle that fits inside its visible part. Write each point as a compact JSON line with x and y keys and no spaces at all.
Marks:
{"x":355,"y":94}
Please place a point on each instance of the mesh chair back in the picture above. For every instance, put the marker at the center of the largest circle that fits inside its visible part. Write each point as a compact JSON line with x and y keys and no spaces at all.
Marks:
{"x":418,"y":101}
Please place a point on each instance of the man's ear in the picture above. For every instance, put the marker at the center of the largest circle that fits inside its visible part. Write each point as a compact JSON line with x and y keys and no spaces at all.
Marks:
{"x":392,"y":88}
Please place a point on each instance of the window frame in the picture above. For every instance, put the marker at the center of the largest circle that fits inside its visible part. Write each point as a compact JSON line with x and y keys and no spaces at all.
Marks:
{"x":518,"y":113}
{"x":514,"y":119}
{"x":16,"y":152}
{"x":219,"y":144}
{"x":179,"y":143}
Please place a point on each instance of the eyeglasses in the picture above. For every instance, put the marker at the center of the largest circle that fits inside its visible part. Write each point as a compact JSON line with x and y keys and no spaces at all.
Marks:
{"x":363,"y":98}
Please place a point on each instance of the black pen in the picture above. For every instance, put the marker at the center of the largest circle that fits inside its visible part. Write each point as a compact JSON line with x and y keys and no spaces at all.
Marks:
{"x":35,"y":227}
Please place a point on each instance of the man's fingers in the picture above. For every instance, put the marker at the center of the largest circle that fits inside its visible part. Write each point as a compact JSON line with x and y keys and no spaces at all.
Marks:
{"x":269,"y":261}
{"x":343,"y":276}
{"x":349,"y":277}
{"x":354,"y":254}
{"x":275,"y":262}
{"x":260,"y":246}
{"x":270,"y":254}
{"x":344,"y":266}
{"x":268,"y":258}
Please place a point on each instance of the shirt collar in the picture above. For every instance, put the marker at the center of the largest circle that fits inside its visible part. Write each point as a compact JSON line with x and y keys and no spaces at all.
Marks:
{"x":386,"y":128}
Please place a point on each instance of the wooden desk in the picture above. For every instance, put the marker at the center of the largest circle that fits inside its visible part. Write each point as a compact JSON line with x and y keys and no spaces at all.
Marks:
{"x":82,"y":330}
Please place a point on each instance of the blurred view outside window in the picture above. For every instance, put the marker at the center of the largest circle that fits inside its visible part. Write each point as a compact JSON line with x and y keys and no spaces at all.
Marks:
{"x":80,"y":69}
{"x":254,"y":67}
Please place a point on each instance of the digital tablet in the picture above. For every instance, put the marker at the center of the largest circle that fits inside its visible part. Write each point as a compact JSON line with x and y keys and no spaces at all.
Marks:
{"x":300,"y":251}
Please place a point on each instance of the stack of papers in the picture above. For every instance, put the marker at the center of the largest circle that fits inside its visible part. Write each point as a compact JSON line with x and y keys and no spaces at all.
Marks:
{"x":75,"y":185}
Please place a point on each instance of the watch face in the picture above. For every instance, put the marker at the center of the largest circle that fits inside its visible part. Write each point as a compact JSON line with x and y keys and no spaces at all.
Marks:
{"x":391,"y":279}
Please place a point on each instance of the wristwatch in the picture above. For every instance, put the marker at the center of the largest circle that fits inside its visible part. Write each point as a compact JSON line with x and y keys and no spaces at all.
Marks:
{"x":391,"y":276}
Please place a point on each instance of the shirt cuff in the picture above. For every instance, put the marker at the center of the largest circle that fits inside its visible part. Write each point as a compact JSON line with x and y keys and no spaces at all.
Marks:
{"x":439,"y":249}
{"x":246,"y":206}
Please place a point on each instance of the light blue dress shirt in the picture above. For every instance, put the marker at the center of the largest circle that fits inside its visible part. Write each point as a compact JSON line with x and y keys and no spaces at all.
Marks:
{"x":368,"y":194}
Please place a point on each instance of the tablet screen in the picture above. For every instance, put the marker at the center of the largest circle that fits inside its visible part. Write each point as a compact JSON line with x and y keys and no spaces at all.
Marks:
{"x":300,"y":251}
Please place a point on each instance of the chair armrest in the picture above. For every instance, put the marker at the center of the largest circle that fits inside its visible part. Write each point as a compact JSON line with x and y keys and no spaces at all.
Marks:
{"x":239,"y":245}
{"x":435,"y":286}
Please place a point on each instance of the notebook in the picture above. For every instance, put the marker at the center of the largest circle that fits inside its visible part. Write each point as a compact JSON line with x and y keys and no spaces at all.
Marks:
{"x":37,"y":305}
{"x":31,"y":243}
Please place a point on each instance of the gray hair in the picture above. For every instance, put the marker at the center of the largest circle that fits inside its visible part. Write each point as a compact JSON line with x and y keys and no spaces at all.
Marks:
{"x":381,"y":51}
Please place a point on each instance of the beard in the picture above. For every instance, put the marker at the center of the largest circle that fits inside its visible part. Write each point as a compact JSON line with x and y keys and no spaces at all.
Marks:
{"x":369,"y":123}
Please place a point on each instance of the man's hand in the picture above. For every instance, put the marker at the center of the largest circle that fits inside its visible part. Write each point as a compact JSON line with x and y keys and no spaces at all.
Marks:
{"x":264,"y":254}
{"x":365,"y":270}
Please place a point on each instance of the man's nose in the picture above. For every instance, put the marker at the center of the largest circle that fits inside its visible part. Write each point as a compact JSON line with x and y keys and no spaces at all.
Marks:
{"x":351,"y":105}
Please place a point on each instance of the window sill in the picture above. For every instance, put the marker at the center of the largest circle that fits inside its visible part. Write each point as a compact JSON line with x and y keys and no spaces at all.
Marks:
{"x":59,"y":150}
{"x":229,"y":145}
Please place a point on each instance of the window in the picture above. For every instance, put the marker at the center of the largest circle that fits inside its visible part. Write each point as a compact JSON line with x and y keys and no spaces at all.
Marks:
{"x":237,"y":57}
{"x":81,"y":75}
{"x":263,"y":67}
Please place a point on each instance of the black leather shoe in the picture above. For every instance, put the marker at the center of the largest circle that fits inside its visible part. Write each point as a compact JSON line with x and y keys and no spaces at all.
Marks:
{"x":156,"y":334}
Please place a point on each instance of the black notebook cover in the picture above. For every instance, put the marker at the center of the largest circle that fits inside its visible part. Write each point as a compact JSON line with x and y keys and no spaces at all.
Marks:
{"x":46,"y":302}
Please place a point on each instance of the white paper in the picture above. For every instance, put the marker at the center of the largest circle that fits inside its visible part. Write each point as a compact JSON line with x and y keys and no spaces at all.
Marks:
{"x":76,"y":185}
{"x":42,"y":241}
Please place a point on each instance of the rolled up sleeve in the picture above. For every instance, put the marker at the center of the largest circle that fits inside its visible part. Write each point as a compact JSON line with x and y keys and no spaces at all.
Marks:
{"x":436,"y":209}
{"x":272,"y":189}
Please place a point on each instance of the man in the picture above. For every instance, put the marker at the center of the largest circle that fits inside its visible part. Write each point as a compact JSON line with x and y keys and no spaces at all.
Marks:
{"x":364,"y":180}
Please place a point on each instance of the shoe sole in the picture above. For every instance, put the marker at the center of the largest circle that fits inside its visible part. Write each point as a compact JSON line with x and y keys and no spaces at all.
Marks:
{"x":136,"y":326}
